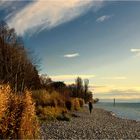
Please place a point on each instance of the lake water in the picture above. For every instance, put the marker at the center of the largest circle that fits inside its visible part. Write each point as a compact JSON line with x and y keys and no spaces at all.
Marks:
{"x":123,"y":110}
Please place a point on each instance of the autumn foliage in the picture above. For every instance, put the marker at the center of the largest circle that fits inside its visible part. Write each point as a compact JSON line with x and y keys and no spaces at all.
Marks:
{"x":17,"y":67}
{"x":17,"y":115}
{"x":20,"y":108}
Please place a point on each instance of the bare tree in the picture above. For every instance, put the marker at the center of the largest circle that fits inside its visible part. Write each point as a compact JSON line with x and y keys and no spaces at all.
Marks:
{"x":16,"y":67}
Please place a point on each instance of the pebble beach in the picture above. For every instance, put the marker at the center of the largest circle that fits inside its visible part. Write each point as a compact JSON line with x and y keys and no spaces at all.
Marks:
{"x":100,"y":124}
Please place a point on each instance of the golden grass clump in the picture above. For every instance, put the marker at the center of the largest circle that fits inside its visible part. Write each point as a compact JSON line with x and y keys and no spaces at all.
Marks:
{"x":53,"y":105}
{"x":81,"y":102}
{"x":29,"y":127}
{"x":41,"y":97}
{"x":50,"y":113}
{"x":75,"y":104}
{"x":18,"y":120}
{"x":44,"y":98}
{"x":57,"y":99}
{"x":4,"y":92}
{"x":49,"y":105}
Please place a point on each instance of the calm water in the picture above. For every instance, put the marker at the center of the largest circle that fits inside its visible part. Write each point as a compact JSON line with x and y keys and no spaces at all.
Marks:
{"x":123,"y":110}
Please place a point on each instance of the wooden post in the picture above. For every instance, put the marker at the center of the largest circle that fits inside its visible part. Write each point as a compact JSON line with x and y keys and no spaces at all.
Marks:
{"x":114,"y":102}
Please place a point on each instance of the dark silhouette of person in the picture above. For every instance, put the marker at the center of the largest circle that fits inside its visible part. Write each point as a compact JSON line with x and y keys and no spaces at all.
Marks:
{"x":90,"y":106}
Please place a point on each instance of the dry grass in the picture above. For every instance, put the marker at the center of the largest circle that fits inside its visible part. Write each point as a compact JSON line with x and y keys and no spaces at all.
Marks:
{"x":18,"y":112}
{"x":17,"y":115}
{"x":75,"y":104}
{"x":4,"y":98}
{"x":52,"y":105}
{"x":29,"y":127}
{"x":44,"y":98}
{"x":81,"y":102}
{"x":48,"y":105}
{"x":50,"y":113}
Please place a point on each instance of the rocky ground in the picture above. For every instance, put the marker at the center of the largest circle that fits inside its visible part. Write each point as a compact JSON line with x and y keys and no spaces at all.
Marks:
{"x":98,"y":125}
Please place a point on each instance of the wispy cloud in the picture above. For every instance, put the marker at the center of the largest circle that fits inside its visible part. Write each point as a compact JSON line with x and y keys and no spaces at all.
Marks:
{"x":120,"y":93}
{"x":39,"y":15}
{"x":114,"y":78}
{"x":4,"y":3}
{"x":136,"y":52}
{"x":71,"y":55}
{"x":103,"y":18}
{"x":70,"y":77}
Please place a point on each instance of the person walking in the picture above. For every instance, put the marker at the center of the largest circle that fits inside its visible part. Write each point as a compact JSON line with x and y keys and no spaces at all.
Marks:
{"x":90,"y":106}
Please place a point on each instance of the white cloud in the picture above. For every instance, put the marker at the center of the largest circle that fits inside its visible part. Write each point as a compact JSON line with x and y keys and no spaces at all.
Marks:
{"x":70,"y":77}
{"x":40,"y":15}
{"x":136,"y":52}
{"x":103,"y":18}
{"x":5,"y":4}
{"x":119,"y":93}
{"x":71,"y":55}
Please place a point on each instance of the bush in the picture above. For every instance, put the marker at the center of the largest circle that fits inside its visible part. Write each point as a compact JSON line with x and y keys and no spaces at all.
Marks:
{"x":50,"y":113}
{"x":49,"y":105}
{"x":44,"y":98}
{"x":76,"y":104}
{"x":58,"y":99}
{"x":4,"y":98}
{"x":81,"y":102}
{"x":29,"y":127}
{"x":41,"y":97}
{"x":17,"y":117}
{"x":68,"y":104}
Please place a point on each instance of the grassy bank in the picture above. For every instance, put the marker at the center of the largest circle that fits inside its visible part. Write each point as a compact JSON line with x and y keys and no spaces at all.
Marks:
{"x":17,"y":115}
{"x":20,"y":112}
{"x":50,"y":106}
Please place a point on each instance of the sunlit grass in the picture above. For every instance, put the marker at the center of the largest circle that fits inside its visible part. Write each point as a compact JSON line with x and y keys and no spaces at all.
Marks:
{"x":17,"y":115}
{"x":52,"y":105}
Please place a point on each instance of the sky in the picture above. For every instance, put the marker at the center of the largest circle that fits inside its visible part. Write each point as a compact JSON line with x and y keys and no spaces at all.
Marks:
{"x":96,"y":40}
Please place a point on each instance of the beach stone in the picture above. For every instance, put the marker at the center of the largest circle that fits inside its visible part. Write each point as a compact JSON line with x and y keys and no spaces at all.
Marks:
{"x":98,"y":125}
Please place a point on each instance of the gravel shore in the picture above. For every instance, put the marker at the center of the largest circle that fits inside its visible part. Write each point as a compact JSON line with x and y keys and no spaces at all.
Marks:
{"x":100,"y":124}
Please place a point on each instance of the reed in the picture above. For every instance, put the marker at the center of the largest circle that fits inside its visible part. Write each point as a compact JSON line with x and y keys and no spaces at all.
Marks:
{"x":17,"y":115}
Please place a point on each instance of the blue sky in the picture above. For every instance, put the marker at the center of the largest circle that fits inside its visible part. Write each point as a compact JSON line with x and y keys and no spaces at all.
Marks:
{"x":98,"y":40}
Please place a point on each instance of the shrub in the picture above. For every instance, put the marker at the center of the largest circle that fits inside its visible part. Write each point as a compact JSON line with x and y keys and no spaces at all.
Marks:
{"x":48,"y":105}
{"x":50,"y":113}
{"x":17,"y":118}
{"x":57,"y":99}
{"x":29,"y":127}
{"x":41,"y":97}
{"x":52,"y":105}
{"x":4,"y":97}
{"x":68,"y":104}
{"x":44,"y":98}
{"x":75,"y":103}
{"x":81,"y":102}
